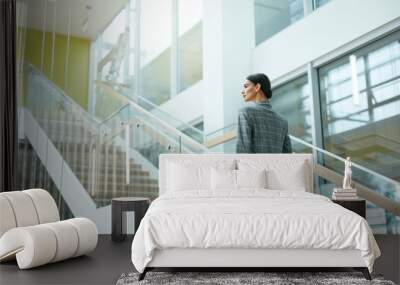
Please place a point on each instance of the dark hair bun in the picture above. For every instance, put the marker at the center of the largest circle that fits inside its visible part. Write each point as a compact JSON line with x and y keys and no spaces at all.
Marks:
{"x":263,"y":80}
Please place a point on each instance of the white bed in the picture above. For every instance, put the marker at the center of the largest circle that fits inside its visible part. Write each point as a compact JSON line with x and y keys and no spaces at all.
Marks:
{"x":202,"y":220}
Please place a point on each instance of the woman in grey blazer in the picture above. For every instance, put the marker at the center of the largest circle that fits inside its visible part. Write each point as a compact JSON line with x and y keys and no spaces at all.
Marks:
{"x":261,"y":129}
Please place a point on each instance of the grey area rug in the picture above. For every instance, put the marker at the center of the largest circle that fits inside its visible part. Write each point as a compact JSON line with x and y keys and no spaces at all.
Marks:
{"x":225,"y":278}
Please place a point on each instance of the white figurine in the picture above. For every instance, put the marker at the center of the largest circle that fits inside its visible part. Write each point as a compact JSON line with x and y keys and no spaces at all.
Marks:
{"x":347,"y":174}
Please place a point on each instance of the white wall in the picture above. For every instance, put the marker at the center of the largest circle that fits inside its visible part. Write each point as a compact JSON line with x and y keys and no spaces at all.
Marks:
{"x":326,"y":29}
{"x":228,"y":40}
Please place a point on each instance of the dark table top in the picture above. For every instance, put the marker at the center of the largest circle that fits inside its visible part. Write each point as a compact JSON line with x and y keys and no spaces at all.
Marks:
{"x":130,"y":199}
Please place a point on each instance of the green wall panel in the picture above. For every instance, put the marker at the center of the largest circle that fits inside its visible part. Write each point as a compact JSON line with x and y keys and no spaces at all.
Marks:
{"x":78,"y":63}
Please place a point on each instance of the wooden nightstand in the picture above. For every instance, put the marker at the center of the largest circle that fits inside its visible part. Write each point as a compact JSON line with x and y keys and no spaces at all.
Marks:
{"x":357,"y":206}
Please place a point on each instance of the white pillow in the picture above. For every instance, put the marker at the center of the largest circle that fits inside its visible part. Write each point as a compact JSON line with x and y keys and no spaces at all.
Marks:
{"x":193,"y":175}
{"x":251,"y":178}
{"x":282,"y":174}
{"x":293,"y":180}
{"x":223,"y":179}
{"x":186,"y":177}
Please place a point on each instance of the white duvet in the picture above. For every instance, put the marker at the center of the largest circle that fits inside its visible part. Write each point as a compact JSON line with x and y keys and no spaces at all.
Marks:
{"x":250,"y":219}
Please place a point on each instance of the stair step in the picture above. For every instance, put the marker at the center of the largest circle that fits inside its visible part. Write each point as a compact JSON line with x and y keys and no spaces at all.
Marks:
{"x":85,"y":167}
{"x":121,"y":172}
{"x":109,"y":196}
{"x":121,"y":182}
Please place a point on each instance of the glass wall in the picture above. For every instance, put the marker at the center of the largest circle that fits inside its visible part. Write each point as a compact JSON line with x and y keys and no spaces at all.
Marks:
{"x":319,"y":3}
{"x":272,"y":16}
{"x":114,"y":42}
{"x":293,"y":101}
{"x":169,"y":55}
{"x":155,"y":50}
{"x":190,"y":55}
{"x":360,"y":110}
{"x":360,"y":103}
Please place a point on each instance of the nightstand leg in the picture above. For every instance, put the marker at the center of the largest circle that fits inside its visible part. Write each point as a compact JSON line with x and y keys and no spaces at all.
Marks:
{"x":116,"y":222}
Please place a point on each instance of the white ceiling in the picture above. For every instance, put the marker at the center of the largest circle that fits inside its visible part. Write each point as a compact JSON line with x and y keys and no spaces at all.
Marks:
{"x":100,"y":15}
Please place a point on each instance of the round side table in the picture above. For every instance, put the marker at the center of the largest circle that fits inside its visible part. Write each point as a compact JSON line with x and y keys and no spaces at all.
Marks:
{"x":119,"y":207}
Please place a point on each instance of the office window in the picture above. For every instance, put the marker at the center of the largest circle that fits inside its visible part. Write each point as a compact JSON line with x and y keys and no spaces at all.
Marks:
{"x":272,"y":16}
{"x":292,"y":101}
{"x":190,"y":54}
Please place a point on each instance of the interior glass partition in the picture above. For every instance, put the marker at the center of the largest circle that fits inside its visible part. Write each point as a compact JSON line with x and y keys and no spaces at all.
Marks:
{"x":190,"y":43}
{"x":319,"y":3}
{"x":155,"y":50}
{"x":360,"y":103}
{"x":293,"y":101}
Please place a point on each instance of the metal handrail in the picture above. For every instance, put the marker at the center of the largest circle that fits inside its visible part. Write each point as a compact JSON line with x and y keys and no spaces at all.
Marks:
{"x":356,"y":165}
{"x":113,"y":114}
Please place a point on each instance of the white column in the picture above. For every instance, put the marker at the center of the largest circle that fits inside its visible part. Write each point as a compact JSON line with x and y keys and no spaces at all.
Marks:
{"x":175,"y":50}
{"x":228,"y":41}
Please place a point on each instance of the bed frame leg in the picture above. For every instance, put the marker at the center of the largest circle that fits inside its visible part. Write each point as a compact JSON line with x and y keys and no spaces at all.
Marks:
{"x":364,"y":271}
{"x":143,"y":274}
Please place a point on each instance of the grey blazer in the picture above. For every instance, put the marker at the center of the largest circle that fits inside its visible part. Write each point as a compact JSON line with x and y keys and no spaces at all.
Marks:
{"x":262,"y":130}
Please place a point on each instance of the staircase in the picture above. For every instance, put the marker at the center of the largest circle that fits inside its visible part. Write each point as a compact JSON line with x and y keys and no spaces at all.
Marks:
{"x":115,"y":157}
{"x":110,"y":178}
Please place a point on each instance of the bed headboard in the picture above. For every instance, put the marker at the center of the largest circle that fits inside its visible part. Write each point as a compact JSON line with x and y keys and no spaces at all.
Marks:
{"x":236,"y":159}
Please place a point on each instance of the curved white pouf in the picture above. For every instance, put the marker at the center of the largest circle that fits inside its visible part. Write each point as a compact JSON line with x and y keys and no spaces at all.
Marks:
{"x":31,"y":231}
{"x":40,"y":244}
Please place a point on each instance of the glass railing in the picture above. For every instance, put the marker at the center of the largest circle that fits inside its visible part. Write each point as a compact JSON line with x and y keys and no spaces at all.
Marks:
{"x":115,"y":157}
{"x":129,"y":94}
{"x":382,"y":193}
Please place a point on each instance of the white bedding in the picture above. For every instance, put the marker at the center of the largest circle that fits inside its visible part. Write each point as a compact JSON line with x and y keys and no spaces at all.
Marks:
{"x":251,"y":218}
